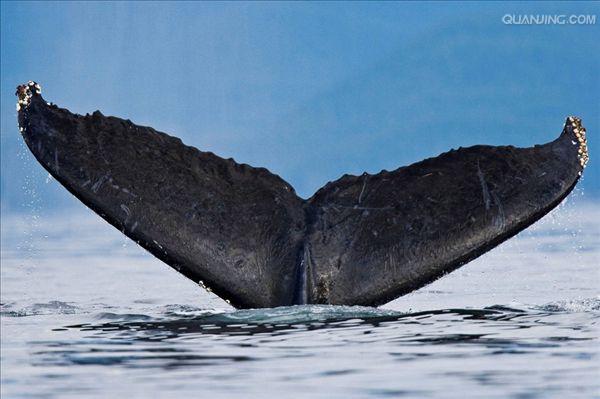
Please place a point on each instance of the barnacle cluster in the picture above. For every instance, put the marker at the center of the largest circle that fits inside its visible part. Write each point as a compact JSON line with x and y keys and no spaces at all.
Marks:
{"x":25,"y":92}
{"x":208,"y":289}
{"x":579,"y":132}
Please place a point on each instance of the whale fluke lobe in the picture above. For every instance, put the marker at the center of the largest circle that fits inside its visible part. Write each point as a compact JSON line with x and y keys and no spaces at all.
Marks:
{"x":243,"y":233}
{"x":378,"y":237}
{"x":231,"y":228}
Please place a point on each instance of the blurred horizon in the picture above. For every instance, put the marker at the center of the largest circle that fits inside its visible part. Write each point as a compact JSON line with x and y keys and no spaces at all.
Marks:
{"x":308,"y":90}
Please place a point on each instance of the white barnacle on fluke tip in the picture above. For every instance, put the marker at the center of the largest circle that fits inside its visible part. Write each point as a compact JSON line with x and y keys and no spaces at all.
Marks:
{"x":579,"y":132}
{"x":25,"y":92}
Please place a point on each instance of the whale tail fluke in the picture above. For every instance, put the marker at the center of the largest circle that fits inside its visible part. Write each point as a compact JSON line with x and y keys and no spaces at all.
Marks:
{"x":243,"y":233}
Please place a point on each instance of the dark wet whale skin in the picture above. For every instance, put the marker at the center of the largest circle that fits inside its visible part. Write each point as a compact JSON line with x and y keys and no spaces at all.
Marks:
{"x":243,"y":233}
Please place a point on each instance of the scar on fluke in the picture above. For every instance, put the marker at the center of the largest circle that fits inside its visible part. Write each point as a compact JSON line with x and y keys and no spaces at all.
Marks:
{"x":243,"y":233}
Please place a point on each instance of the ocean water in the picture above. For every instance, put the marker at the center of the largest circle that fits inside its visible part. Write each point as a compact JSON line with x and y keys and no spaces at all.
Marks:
{"x":86,"y":313}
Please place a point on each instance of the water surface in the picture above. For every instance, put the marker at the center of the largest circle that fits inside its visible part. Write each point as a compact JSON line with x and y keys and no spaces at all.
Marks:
{"x":85,"y":312}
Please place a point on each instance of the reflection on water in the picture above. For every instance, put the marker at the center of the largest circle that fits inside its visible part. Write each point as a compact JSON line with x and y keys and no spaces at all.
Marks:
{"x":88,"y":315}
{"x":312,"y":344}
{"x":282,"y":321}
